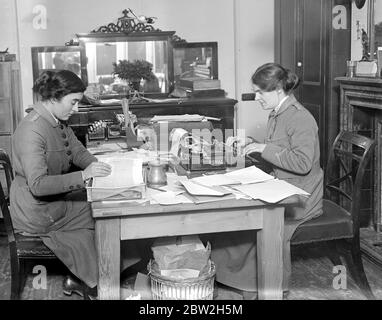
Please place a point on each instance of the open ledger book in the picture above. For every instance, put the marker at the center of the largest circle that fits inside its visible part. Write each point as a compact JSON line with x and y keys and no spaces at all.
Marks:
{"x":125,"y":172}
{"x":125,"y":181}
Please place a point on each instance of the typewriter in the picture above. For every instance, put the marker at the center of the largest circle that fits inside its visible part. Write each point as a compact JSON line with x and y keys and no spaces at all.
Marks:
{"x":198,"y":154}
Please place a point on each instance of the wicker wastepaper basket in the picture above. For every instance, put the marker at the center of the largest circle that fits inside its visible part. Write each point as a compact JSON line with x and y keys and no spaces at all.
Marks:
{"x":166,"y":288}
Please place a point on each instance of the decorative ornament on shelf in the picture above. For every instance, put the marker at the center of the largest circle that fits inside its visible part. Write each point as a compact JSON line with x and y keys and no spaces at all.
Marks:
{"x":133,"y":72}
{"x":366,"y":67}
{"x":6,"y":56}
{"x":365,"y":46}
{"x":127,"y":24}
{"x":3,"y":54}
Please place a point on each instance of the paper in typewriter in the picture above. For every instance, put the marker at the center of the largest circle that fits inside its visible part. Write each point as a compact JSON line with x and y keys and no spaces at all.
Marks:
{"x":125,"y":172}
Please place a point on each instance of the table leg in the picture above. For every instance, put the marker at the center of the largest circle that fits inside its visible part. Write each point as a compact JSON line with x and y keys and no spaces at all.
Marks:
{"x":270,"y":254}
{"x":108,"y":249}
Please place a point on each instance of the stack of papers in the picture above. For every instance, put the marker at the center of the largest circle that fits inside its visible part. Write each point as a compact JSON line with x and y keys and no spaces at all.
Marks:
{"x":169,"y":198}
{"x":243,"y":176}
{"x":200,"y":190}
{"x":215,"y":180}
{"x":271,"y":191}
{"x":181,"y":190}
{"x":249,"y":175}
{"x":205,"y":199}
{"x":250,"y":182}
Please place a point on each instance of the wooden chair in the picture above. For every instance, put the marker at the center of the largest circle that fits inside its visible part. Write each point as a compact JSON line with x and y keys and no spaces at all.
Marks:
{"x":21,"y":248}
{"x":339,"y":225}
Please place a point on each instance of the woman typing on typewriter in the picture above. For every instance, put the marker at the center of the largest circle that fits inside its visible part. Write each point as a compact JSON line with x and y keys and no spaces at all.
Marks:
{"x":292,"y":149}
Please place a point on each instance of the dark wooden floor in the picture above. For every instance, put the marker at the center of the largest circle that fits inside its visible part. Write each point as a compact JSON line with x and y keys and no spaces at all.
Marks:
{"x":312,"y":279}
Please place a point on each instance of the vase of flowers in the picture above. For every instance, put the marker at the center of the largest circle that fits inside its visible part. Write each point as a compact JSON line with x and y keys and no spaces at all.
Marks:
{"x":133,"y":72}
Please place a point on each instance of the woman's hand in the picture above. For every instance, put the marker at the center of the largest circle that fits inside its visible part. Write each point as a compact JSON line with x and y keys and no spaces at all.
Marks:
{"x":254,"y":147}
{"x":97,"y":169}
{"x":245,"y":141}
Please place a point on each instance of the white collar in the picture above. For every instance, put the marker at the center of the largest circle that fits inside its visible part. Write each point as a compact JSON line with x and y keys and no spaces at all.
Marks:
{"x":280,"y":103}
{"x":55,"y":119}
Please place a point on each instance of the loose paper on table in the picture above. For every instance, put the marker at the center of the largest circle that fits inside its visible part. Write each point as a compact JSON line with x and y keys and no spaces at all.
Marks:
{"x":242,"y":176}
{"x":199,"y":190}
{"x":271,"y":191}
{"x":169,"y":198}
{"x":215,"y":180}
{"x":249,"y":175}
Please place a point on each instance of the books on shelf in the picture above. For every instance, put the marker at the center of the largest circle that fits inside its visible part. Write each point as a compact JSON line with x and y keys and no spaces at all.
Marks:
{"x":201,"y":75}
{"x":198,"y":83}
{"x":202,"y":70}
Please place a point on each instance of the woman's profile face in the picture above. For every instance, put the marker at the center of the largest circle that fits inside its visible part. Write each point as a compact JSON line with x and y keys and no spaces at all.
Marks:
{"x":64,"y":108}
{"x":268,"y":99}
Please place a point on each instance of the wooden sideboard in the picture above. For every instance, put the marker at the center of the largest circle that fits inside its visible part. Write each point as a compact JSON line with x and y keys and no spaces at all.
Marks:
{"x":361,"y":112}
{"x":222,"y":108}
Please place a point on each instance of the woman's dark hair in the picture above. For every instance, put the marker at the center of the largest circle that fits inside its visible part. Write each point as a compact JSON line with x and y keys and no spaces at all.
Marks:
{"x":272,"y":76}
{"x":57,"y":84}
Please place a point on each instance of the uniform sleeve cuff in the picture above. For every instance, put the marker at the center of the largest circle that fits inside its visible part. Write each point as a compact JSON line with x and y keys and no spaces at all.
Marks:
{"x":271,"y":153}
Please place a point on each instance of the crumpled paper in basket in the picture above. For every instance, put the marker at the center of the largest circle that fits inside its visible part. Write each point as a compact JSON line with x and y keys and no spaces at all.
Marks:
{"x":181,"y":257}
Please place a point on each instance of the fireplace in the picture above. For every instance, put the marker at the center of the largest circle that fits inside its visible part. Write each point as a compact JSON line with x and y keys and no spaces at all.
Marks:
{"x":361,"y":112}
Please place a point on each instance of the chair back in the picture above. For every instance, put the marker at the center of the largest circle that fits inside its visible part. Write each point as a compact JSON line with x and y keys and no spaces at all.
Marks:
{"x":347,"y":162}
{"x":5,"y":163}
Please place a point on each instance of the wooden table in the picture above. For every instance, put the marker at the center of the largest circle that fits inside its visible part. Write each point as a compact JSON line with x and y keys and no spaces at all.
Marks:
{"x":120,"y":221}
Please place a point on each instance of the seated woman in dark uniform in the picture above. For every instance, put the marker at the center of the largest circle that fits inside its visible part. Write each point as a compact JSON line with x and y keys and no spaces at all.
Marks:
{"x":292,"y":149}
{"x":47,"y":199}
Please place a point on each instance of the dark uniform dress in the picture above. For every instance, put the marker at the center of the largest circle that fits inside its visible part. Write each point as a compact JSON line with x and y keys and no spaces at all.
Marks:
{"x":293,"y":150}
{"x":49,"y":200}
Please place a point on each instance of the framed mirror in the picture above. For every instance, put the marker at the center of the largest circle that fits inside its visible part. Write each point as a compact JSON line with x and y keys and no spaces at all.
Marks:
{"x":103,"y":50}
{"x":57,"y":58}
{"x":195,"y":59}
